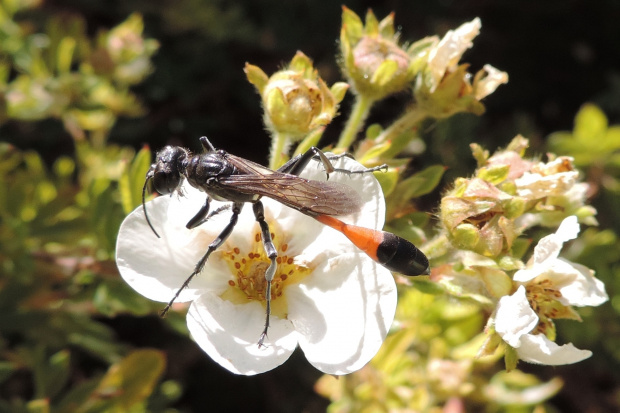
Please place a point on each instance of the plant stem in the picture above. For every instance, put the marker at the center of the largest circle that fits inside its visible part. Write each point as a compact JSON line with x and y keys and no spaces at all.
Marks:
{"x":279,"y":145}
{"x":408,"y":120}
{"x":360,"y":111}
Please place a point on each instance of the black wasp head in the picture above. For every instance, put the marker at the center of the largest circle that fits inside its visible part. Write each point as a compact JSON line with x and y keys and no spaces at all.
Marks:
{"x":166,"y":173}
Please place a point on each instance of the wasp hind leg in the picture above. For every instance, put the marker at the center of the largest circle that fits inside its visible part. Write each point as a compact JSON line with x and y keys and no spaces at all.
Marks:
{"x":272,"y":253}
{"x":296,"y":165}
{"x":236,"y":210}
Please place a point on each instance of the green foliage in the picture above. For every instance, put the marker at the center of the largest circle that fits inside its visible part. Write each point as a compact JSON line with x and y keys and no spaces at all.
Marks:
{"x":63,"y":74}
{"x":58,"y":223}
{"x":59,"y":286}
{"x":57,"y":238}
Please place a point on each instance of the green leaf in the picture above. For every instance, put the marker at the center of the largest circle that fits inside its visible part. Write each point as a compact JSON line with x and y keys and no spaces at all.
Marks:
{"x":375,"y":152}
{"x":51,"y":375}
{"x":132,"y":180}
{"x":38,"y":406}
{"x":424,"y":181}
{"x":415,"y":186}
{"x":133,"y":379}
{"x":387,"y":180}
{"x":115,"y":297}
{"x":64,"y":57}
{"x":408,"y":227}
{"x":590,"y":124}
{"x":427,"y":287}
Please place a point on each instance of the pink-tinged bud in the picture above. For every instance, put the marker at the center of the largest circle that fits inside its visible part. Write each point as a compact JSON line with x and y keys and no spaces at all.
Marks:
{"x":372,"y":60}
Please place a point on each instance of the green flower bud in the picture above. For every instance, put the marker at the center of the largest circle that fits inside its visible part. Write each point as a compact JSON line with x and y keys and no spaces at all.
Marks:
{"x":466,"y":236}
{"x":296,"y":100}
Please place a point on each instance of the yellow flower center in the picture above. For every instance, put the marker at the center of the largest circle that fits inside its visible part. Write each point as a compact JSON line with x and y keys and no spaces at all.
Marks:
{"x":543,"y":298}
{"x":247,"y":269}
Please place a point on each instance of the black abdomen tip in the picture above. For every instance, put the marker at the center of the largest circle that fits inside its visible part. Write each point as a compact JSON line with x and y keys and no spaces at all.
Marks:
{"x":399,"y":255}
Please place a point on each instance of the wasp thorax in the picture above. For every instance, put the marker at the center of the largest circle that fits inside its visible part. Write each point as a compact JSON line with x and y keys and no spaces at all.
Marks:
{"x":167,"y":169}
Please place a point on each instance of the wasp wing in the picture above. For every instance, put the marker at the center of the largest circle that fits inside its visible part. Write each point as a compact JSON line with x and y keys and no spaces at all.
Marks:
{"x":305,"y":195}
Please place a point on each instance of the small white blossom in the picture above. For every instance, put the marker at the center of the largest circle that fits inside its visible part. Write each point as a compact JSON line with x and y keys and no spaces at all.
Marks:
{"x":555,"y":188}
{"x":554,"y":178}
{"x":328,"y":297}
{"x":547,"y":285}
{"x":447,"y":53}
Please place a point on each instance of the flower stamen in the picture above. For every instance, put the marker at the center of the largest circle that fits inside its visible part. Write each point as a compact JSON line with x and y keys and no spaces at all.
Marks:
{"x":544,"y":297}
{"x":248,"y":269}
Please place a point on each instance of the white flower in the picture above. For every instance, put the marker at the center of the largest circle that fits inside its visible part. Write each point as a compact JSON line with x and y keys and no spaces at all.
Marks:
{"x":447,"y":53}
{"x":328,"y":297}
{"x":548,"y":286}
{"x":555,"y":190}
{"x":444,"y":86}
{"x":554,"y":178}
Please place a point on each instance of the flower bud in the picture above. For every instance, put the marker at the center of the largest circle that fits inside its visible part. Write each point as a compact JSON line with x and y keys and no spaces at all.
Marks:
{"x":296,"y":100}
{"x":373,"y":62}
{"x":474,"y":216}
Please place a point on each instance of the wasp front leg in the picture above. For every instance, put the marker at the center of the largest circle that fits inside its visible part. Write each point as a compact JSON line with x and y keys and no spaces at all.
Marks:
{"x":272,"y":253}
{"x":236,"y":210}
{"x":200,"y":217}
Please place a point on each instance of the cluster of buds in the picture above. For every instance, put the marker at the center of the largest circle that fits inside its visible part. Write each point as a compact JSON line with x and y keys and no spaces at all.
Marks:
{"x":296,"y":100}
{"x":377,"y":66}
{"x":509,"y":194}
{"x":483,"y":216}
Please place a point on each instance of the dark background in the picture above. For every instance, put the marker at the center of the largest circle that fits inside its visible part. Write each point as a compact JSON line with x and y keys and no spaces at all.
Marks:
{"x":559,"y":54}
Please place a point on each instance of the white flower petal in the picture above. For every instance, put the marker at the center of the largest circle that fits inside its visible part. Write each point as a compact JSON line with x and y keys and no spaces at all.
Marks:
{"x":343,"y":314}
{"x":536,"y":348}
{"x":548,"y":249}
{"x":487,"y":84}
{"x":229,"y":334}
{"x":578,"y":285}
{"x":450,"y":49}
{"x":514,"y":317}
{"x":157,"y":267}
{"x":568,"y":229}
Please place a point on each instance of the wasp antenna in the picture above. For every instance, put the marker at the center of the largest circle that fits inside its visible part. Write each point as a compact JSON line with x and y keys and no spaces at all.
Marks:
{"x":146,"y":182}
{"x":206,"y":144}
